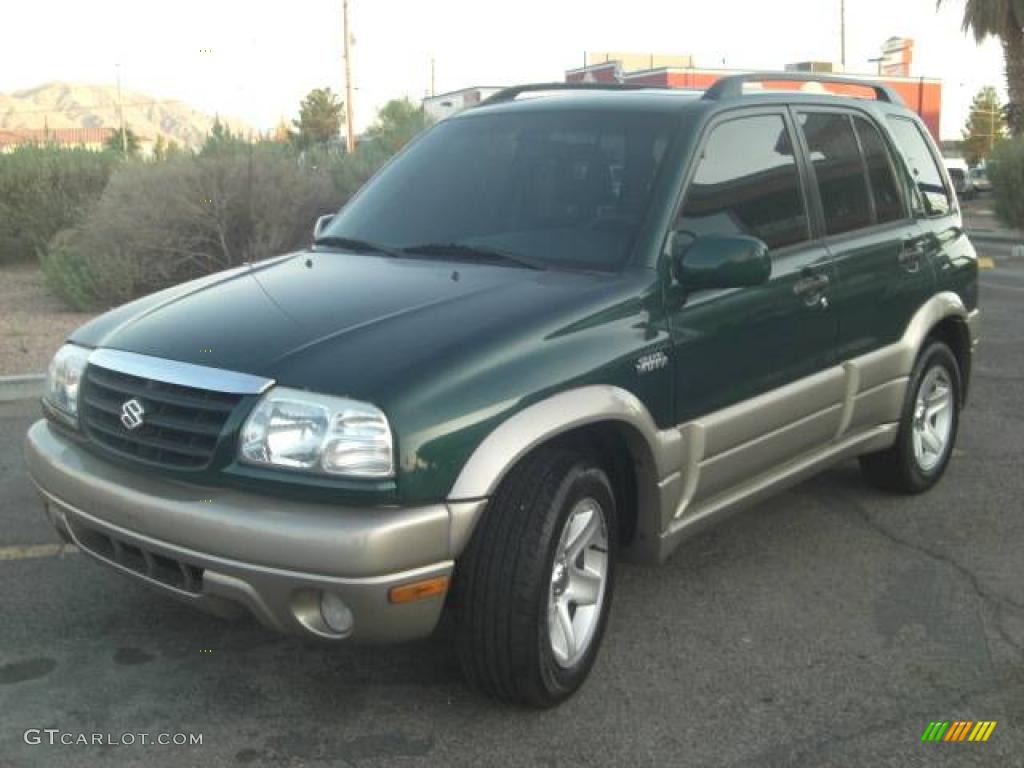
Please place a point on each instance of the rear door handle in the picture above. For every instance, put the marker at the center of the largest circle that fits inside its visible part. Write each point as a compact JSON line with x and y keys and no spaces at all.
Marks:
{"x":911,"y":255}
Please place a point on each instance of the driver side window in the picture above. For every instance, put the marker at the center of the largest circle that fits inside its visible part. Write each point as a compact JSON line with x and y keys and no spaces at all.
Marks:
{"x":747,"y":183}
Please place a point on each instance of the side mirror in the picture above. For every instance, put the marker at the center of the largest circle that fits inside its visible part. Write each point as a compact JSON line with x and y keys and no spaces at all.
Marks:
{"x":722,"y":261}
{"x":321,"y":225}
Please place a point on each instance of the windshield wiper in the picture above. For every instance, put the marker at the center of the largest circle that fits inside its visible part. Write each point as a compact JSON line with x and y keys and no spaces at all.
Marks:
{"x":357,"y":245}
{"x":472,"y":252}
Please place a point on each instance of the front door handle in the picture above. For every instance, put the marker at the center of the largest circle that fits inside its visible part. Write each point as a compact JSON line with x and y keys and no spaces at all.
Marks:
{"x":812,"y":290}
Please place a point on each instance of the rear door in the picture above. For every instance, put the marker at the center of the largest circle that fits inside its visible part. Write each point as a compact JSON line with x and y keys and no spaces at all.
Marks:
{"x":943,"y":241}
{"x":876,"y":245}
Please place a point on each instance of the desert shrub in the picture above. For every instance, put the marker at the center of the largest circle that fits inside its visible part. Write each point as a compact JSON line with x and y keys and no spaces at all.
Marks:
{"x":44,"y":190}
{"x":158,"y":224}
{"x":76,"y":279}
{"x":349,"y":172}
{"x":1006,"y":172}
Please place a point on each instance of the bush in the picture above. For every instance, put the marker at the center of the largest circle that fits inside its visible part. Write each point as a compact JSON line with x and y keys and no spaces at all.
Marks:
{"x":158,"y":224}
{"x":349,"y":172}
{"x":44,"y":190}
{"x":1006,"y":172}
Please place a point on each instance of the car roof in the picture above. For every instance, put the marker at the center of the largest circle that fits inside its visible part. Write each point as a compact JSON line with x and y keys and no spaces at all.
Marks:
{"x":730,"y":92}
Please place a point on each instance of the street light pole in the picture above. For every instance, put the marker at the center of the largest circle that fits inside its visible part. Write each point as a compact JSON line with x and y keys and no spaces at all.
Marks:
{"x":992,"y":130}
{"x":842,"y":33}
{"x":120,"y":111}
{"x":350,"y":136}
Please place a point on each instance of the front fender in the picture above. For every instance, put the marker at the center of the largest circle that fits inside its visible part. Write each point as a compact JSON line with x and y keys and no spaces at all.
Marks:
{"x":655,"y":453}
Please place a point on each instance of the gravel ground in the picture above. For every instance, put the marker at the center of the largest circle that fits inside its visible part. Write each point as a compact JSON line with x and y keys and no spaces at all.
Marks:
{"x":33,"y":322}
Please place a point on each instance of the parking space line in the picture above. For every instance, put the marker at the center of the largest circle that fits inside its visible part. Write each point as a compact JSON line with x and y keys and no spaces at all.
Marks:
{"x":29,"y":551}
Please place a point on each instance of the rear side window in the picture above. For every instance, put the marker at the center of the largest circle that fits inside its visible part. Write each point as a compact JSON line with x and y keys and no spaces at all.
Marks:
{"x":747,"y":184}
{"x":922,"y":165}
{"x":838,"y":169}
{"x":888,"y":206}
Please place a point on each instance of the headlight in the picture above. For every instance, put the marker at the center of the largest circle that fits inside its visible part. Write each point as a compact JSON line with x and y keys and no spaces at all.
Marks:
{"x":317,"y":433}
{"x":63,"y":378}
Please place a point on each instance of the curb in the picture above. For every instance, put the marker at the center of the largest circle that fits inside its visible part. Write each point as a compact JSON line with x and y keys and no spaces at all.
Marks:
{"x":25,"y":387}
{"x":994,"y":236}
{"x":1014,"y":246}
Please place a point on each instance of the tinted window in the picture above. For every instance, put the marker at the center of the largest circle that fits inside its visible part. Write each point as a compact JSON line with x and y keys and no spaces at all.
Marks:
{"x":747,"y":183}
{"x":922,"y":166}
{"x":888,"y":206}
{"x":838,"y":169}
{"x":564,"y":187}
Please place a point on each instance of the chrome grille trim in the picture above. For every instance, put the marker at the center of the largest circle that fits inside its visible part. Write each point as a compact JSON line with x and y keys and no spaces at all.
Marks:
{"x":181,"y":428}
{"x":182,"y":374}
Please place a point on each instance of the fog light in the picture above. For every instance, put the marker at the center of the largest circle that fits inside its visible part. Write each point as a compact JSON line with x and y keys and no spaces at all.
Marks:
{"x":336,"y":614}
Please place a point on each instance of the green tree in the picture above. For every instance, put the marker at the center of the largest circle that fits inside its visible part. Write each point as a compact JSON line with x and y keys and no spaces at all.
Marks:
{"x":985,"y":126}
{"x":220,"y":139}
{"x":397,"y":122}
{"x":320,"y":118}
{"x":1003,"y":19}
{"x":160,"y":148}
{"x":114,"y":142}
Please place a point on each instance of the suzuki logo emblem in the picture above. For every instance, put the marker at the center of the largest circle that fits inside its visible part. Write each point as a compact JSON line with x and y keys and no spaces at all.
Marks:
{"x":132,"y":413}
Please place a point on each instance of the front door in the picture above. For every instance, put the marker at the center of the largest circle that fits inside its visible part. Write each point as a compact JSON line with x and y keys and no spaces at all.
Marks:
{"x":731,"y":345}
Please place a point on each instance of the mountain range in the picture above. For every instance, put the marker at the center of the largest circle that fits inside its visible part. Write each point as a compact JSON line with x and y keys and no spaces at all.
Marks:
{"x":62,"y":105}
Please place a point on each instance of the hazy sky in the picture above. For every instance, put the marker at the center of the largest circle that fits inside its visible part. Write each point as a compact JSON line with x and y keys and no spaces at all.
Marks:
{"x":266,"y":56}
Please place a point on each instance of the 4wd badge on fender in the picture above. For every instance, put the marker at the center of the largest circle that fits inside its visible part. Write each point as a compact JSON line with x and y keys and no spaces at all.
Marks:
{"x":651,"y":362}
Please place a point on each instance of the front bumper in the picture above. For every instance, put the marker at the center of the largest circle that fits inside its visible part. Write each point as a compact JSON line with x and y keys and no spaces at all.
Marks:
{"x":224,"y":550}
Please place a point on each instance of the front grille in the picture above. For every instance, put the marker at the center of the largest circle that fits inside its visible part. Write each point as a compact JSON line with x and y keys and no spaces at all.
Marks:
{"x":180,"y":425}
{"x":167,"y":571}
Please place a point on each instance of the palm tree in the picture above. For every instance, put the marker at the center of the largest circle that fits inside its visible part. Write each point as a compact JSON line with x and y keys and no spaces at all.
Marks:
{"x":1003,"y":19}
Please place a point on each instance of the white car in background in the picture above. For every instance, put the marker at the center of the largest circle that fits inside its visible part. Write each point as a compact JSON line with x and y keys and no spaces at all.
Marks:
{"x":961,"y":177}
{"x":979,"y":179}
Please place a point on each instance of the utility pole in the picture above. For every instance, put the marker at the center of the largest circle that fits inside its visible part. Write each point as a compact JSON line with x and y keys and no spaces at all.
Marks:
{"x":842,"y":33}
{"x":120,"y":111}
{"x":350,"y":136}
{"x":433,"y":80}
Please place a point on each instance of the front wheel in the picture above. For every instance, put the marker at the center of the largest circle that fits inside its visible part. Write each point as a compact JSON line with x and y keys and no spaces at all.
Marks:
{"x":928,"y":426}
{"x":533,"y":589}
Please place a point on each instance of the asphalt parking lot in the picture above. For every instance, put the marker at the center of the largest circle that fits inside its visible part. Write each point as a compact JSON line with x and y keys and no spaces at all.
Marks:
{"x":825,"y":627}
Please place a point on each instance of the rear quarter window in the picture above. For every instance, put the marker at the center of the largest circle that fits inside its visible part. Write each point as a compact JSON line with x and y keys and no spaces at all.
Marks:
{"x":921,"y":163}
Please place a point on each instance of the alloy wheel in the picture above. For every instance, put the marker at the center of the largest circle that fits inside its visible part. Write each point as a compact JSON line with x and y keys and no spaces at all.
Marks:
{"x":579,"y":576}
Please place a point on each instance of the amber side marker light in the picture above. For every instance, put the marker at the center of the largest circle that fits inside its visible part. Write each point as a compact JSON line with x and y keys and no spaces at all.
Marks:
{"x":417,"y":590}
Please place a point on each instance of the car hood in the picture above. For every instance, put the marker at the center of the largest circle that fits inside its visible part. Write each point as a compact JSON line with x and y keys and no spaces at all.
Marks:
{"x":334,"y":322}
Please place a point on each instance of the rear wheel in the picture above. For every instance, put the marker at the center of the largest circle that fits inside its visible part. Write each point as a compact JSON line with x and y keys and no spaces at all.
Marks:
{"x":533,"y":589}
{"x":928,"y":426}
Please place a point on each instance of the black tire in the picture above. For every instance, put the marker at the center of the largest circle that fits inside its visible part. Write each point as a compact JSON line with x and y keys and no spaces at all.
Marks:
{"x":897,"y":469}
{"x":502,"y":581}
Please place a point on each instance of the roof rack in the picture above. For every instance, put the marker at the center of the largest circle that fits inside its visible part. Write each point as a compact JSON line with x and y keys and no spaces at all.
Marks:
{"x":510,"y":94}
{"x":731,"y":87}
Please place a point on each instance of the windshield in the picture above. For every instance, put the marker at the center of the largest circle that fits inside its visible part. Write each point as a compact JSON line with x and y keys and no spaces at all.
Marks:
{"x":561,"y":188}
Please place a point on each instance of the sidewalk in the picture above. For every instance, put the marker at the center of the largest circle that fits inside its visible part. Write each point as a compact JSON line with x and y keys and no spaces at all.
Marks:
{"x":981,"y":223}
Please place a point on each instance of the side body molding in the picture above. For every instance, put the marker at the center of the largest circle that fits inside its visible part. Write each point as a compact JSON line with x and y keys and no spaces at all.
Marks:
{"x":691,"y":474}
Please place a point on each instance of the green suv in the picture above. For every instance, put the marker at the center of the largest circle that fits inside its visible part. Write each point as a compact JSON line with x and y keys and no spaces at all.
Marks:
{"x":562,"y":330}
